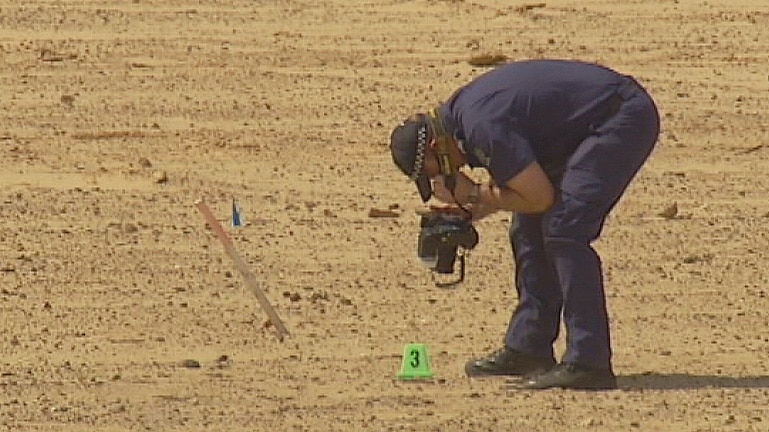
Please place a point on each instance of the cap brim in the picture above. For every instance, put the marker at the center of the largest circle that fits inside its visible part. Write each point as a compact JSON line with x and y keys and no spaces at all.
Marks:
{"x":424,"y":187}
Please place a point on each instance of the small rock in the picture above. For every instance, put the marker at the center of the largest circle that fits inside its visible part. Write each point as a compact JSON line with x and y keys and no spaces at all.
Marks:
{"x":293,"y":296}
{"x":670,"y":212}
{"x":318,"y":296}
{"x":380,"y":213}
{"x":691,"y":259}
{"x":130,"y":228}
{"x":144,"y":162}
{"x":191,"y":364}
{"x":159,"y":176}
{"x":120,"y":408}
{"x":223,"y":361}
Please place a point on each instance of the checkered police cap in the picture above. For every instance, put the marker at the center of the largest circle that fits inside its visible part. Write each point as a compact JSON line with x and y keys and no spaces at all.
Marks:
{"x":408,"y":145}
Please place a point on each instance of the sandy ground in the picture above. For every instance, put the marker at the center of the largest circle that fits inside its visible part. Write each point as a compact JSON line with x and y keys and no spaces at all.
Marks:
{"x":120,"y":310}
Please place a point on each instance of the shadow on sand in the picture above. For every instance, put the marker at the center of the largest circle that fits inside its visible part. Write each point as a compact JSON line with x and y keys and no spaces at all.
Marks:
{"x":655,"y":381}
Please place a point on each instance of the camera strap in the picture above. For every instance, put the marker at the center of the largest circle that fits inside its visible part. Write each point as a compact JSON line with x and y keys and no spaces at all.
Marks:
{"x":443,"y":143}
{"x":442,"y":149}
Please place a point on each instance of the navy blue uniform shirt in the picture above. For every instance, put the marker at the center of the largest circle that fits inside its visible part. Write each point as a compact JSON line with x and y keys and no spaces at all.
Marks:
{"x":537,"y":110}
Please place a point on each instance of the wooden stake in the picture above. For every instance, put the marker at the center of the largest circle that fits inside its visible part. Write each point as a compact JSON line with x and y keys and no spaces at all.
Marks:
{"x":252,"y":283}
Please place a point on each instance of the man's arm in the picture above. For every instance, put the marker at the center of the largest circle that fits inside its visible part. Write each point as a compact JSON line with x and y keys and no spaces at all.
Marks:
{"x":530,"y":191}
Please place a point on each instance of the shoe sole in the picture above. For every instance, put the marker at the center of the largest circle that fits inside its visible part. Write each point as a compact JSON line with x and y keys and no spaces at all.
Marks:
{"x":526,"y":383}
{"x":470,"y":373}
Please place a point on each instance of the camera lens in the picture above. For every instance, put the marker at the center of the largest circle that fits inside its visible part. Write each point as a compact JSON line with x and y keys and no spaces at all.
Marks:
{"x":429,"y":261}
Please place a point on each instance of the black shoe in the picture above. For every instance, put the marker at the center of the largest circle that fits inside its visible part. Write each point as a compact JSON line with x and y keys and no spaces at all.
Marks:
{"x":508,"y":362}
{"x":570,"y":376}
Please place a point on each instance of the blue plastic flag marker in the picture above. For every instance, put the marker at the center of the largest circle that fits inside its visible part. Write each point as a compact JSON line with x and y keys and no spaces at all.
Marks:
{"x":237,"y":219}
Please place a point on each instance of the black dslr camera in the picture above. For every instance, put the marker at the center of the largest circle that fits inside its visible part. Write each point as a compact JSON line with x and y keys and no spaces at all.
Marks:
{"x":441,"y":236}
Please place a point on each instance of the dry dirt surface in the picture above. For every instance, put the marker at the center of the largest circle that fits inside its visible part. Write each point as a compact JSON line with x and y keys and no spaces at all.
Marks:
{"x":121,"y":311}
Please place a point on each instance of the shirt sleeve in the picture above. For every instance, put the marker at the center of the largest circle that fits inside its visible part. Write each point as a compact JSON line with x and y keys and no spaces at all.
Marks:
{"x":500,"y":148}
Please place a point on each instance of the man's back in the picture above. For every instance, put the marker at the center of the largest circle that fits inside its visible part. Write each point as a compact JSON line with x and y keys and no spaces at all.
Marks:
{"x":546,"y":105}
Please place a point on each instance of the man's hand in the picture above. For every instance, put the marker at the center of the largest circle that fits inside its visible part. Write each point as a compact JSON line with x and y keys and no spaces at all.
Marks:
{"x":462,"y":189}
{"x":477,"y":211}
{"x":480,"y":211}
{"x":449,"y":210}
{"x":464,"y":186}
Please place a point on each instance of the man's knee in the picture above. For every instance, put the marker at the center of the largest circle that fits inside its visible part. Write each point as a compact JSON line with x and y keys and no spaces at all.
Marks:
{"x":572,"y":220}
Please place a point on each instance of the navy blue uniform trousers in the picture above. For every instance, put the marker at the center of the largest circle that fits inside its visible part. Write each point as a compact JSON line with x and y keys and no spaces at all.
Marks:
{"x":558,"y":273}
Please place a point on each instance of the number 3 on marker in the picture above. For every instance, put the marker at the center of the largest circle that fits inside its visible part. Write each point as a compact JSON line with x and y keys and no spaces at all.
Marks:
{"x":414,"y":358}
